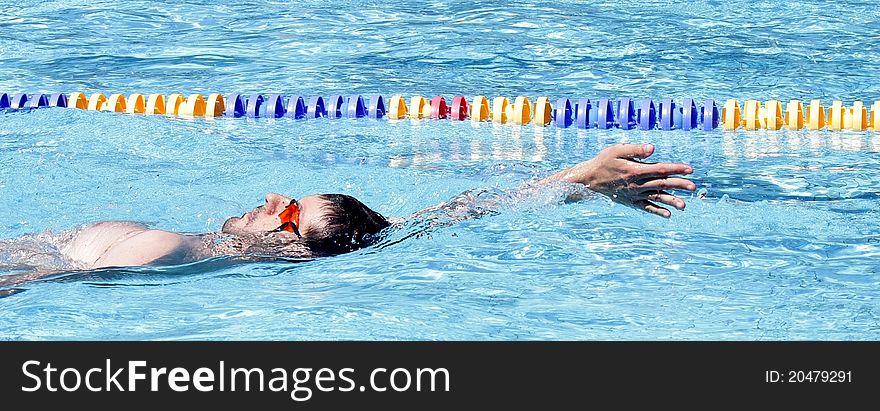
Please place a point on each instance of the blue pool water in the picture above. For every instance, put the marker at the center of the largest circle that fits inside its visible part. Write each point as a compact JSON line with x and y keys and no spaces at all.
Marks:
{"x":782,"y":242}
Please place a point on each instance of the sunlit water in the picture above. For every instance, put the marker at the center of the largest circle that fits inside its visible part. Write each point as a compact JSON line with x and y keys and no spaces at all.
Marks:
{"x":782,"y":242}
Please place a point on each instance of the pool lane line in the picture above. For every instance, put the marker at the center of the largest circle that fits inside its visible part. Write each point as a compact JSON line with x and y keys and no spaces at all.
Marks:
{"x":583,"y":113}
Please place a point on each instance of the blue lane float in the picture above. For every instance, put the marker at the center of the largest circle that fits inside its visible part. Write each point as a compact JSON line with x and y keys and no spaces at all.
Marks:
{"x":235,"y":106}
{"x":709,"y":117}
{"x":58,"y":100}
{"x":273,"y":107}
{"x":594,"y":115}
{"x":647,"y":115}
{"x":334,"y":107}
{"x":562,"y":114}
{"x":376,"y":109}
{"x":4,"y":100}
{"x":316,"y":108}
{"x":355,"y":107}
{"x":254,"y":104}
{"x":667,"y":113}
{"x":38,"y":101}
{"x":677,"y":117}
{"x":296,"y":108}
{"x":583,"y":110}
{"x":689,"y":116}
{"x":626,"y":114}
{"x":604,"y":114}
{"x":18,"y":101}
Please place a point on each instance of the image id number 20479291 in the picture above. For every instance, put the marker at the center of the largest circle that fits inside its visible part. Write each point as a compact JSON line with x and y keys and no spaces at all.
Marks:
{"x":810,"y":376}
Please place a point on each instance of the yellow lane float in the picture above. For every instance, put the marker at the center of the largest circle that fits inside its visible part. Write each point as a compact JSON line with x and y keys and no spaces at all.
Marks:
{"x":114,"y":103}
{"x":875,"y":116}
{"x":836,"y":116}
{"x":419,"y":107}
{"x":752,"y":120}
{"x":215,"y":106}
{"x":396,"y":108}
{"x":857,"y":117}
{"x":794,"y":115}
{"x":500,"y":110}
{"x":96,"y":102}
{"x":194,"y":106}
{"x":135,"y":104}
{"x":77,"y":100}
{"x":480,"y":109}
{"x":815,"y":115}
{"x":173,"y":104}
{"x":522,"y":110}
{"x":773,"y":116}
{"x":543,"y":112}
{"x":155,"y":104}
{"x":730,"y":117}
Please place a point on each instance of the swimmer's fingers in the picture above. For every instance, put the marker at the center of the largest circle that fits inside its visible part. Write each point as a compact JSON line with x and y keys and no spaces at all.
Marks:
{"x":665,"y":184}
{"x":652,"y":208}
{"x":644,"y":170}
{"x":630,"y":151}
{"x":666,"y":198}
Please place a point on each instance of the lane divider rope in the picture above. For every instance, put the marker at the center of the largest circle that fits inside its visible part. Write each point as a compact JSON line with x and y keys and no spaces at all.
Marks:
{"x":583,"y":113}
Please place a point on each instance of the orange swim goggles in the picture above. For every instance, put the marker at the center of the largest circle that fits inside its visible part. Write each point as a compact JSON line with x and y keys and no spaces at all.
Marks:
{"x":290,"y":219}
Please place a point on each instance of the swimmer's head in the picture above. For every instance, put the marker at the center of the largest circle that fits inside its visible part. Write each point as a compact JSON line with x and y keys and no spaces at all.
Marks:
{"x":327,"y":224}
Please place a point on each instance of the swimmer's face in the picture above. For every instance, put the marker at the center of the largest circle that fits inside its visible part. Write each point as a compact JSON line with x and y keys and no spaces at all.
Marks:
{"x":265,"y":218}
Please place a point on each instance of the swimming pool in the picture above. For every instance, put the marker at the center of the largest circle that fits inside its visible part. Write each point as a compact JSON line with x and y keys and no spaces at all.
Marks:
{"x":781,"y":242}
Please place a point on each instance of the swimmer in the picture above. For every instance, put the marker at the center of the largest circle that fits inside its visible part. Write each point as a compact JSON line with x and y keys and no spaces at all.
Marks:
{"x":331,"y":224}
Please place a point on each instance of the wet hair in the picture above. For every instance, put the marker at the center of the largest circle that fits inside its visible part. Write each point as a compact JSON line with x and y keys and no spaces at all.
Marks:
{"x":349,"y":225}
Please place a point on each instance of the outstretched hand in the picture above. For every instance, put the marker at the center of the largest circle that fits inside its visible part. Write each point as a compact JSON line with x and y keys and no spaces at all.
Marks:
{"x":617,"y":173}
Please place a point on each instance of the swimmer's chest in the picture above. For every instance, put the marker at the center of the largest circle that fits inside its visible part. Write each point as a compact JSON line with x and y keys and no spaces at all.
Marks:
{"x":93,"y":241}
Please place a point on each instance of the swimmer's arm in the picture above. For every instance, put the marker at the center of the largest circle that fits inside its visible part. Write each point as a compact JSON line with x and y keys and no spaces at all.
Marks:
{"x":465,"y":206}
{"x":616,"y":172}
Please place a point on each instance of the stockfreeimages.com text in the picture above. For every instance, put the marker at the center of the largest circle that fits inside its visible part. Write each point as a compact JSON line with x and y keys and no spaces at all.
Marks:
{"x":136,"y":375}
